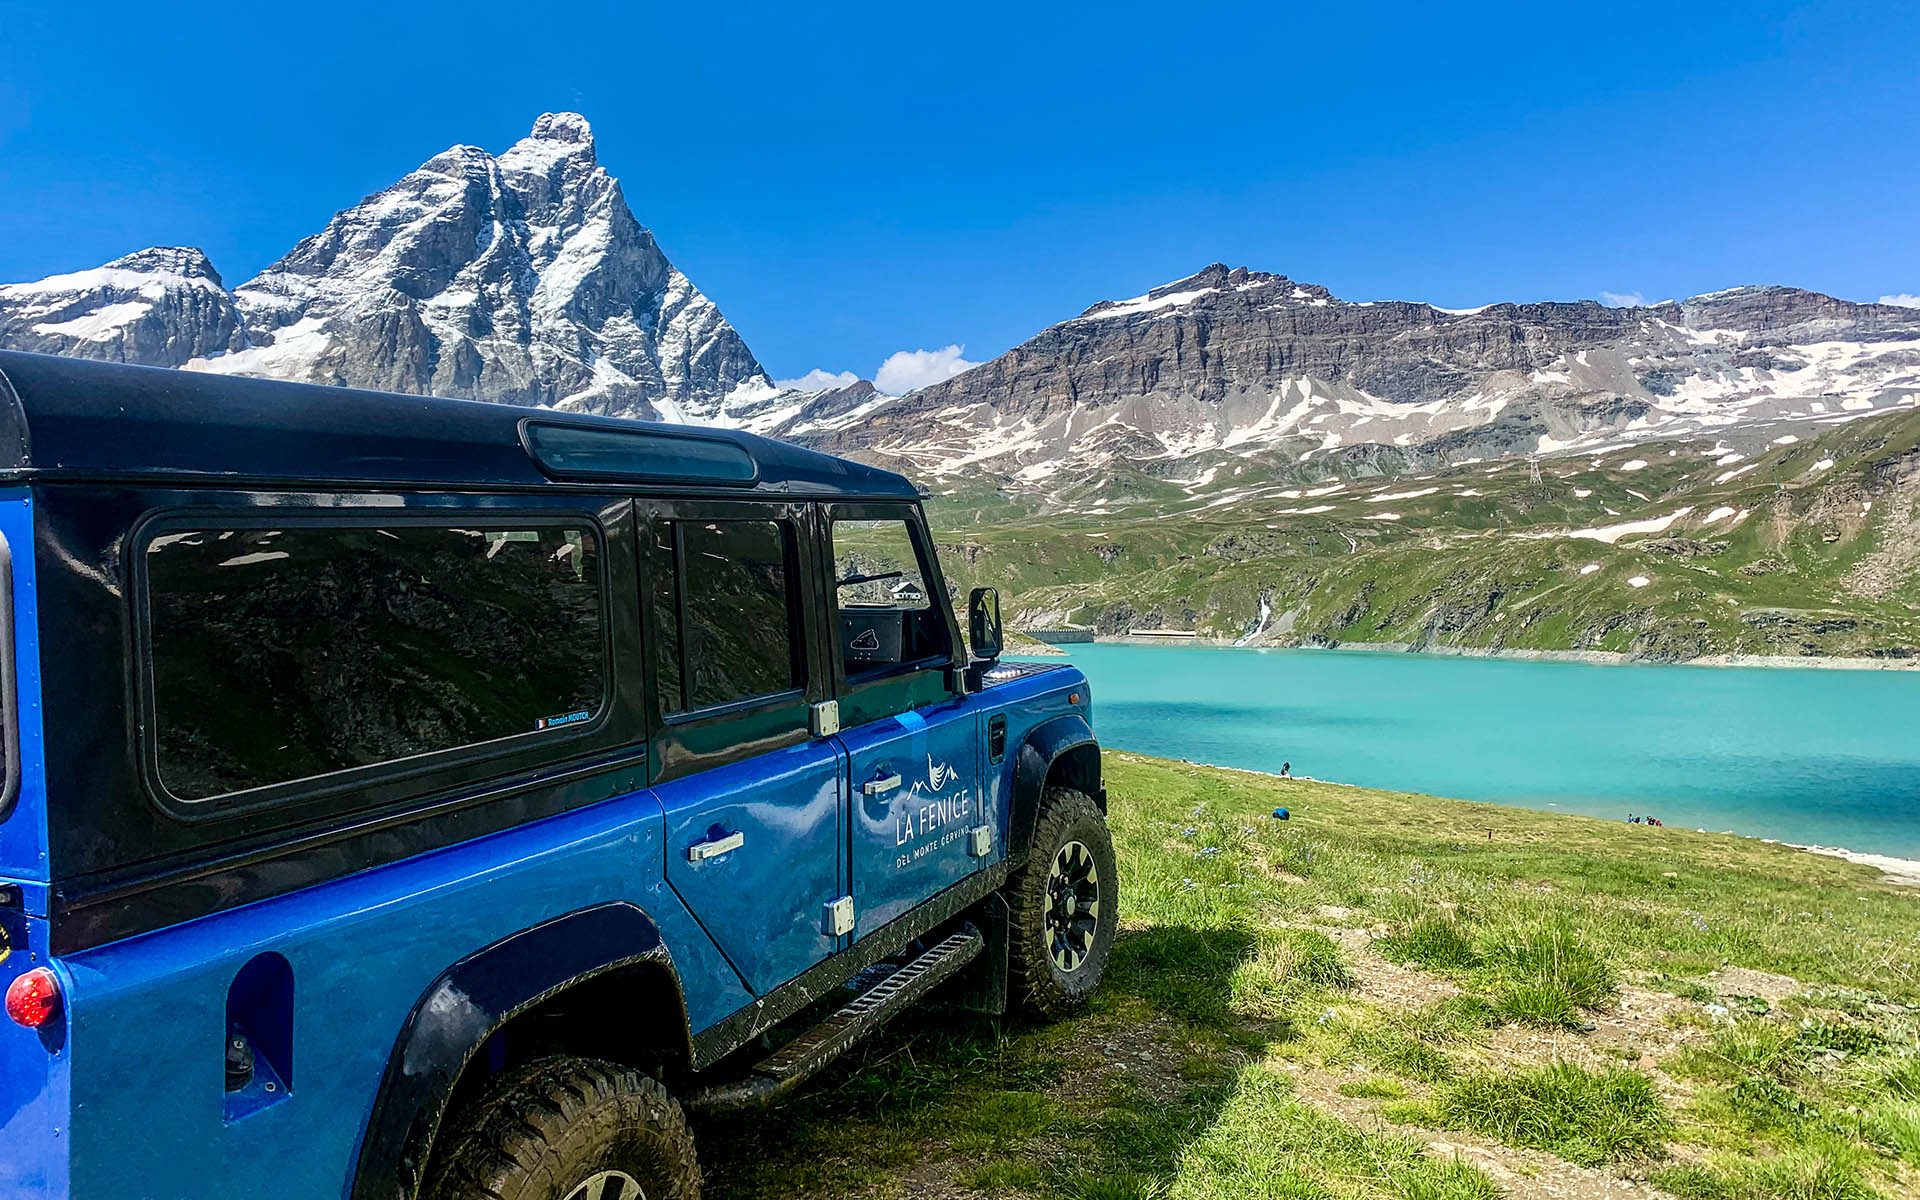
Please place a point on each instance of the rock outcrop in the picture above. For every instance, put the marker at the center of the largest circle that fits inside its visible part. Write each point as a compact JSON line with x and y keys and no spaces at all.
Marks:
{"x":1237,"y":365}
{"x":161,"y":307}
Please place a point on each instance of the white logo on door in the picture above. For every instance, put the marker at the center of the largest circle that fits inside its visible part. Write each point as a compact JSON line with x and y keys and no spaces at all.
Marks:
{"x":939,"y":775}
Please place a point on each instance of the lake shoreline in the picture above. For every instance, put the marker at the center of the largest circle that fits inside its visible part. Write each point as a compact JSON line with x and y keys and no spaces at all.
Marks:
{"x":1812,"y":758}
{"x":1901,"y":872}
{"x":1894,"y":870}
{"x":1604,"y":658}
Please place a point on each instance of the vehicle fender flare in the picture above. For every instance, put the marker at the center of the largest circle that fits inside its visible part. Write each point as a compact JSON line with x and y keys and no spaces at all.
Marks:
{"x":1064,"y":742}
{"x":465,"y":1006}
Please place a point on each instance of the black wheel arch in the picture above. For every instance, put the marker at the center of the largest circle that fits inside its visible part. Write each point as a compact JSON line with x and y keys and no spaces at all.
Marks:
{"x":1060,"y":752}
{"x":607,"y":959}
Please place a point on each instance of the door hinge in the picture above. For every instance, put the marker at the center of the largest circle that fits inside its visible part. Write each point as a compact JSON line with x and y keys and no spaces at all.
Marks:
{"x":840,"y":917}
{"x":824,"y":718}
{"x":980,"y":841}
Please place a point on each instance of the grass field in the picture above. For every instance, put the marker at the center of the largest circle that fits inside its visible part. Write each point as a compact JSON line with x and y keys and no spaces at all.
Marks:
{"x":1393,"y":995}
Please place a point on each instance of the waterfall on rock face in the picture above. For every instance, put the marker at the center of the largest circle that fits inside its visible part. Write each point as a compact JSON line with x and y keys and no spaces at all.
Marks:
{"x":1260,"y":623}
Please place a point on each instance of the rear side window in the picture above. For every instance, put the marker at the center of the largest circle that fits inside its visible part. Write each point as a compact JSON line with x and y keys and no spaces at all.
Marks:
{"x":728,"y":614}
{"x":285,"y":654}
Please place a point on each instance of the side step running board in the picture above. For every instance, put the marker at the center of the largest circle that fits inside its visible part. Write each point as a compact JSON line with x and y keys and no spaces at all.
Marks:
{"x":793,"y":1063}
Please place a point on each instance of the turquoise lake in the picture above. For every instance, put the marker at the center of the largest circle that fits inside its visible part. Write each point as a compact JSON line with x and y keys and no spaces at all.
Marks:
{"x":1821,"y":757}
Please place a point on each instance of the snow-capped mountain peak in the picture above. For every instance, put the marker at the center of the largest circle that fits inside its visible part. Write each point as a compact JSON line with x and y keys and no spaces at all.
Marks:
{"x":1209,"y":283}
{"x":558,"y":140}
{"x":521,"y":278}
{"x":163,"y":305}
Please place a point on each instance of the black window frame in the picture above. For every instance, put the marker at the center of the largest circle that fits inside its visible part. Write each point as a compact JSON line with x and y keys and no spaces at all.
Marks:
{"x":794,"y":565}
{"x":900,"y":687}
{"x":512,"y":752}
{"x":684,"y":743}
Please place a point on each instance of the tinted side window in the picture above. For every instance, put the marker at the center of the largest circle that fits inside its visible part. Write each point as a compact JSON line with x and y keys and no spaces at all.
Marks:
{"x":875,"y":566}
{"x":887,"y":612}
{"x":284,"y":654}
{"x":735,"y":598}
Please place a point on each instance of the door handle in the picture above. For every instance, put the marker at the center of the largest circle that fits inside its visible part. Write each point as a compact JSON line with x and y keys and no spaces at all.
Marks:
{"x":882,"y":785}
{"x":700,"y":852}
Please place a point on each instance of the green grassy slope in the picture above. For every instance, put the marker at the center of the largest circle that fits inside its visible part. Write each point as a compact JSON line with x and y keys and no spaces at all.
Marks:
{"x":1812,"y":547}
{"x":1397,"y":996}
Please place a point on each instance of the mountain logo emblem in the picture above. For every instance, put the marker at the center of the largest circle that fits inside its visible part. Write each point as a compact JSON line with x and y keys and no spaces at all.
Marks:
{"x":867,"y":640}
{"x":939,"y":775}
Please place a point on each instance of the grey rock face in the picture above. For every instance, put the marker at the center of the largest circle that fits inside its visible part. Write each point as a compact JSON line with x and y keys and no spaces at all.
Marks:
{"x":163,"y":307}
{"x":1231,"y":365}
{"x":520,"y":279}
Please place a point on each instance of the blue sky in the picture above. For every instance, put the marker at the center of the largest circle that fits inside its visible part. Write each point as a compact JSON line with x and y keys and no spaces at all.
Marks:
{"x":848,"y":181}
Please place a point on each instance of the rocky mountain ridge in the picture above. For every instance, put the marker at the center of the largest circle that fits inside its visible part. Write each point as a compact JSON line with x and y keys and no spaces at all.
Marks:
{"x":521,"y":278}
{"x":164,"y":306}
{"x":1231,"y":368}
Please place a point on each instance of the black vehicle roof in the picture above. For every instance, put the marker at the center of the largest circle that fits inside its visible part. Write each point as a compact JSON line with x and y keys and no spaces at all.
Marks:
{"x":73,"y":418}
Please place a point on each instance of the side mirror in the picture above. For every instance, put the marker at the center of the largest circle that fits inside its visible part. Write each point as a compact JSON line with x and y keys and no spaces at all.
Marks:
{"x":983,"y":623}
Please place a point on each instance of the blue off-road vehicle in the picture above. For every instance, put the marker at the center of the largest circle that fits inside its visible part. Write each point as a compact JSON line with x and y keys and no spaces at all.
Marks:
{"x":415,"y":798}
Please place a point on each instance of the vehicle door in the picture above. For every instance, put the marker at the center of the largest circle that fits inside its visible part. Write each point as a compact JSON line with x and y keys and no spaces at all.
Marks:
{"x":755,"y":804}
{"x":913,"y":741}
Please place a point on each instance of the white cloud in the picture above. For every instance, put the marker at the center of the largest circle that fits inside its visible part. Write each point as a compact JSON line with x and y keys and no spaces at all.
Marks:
{"x":903,"y":372}
{"x":818,"y":380}
{"x":906,"y":370}
{"x":1623,"y":299}
{"x":1902,"y":300}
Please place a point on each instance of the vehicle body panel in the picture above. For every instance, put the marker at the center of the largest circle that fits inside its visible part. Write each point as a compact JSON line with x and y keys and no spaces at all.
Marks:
{"x":364,"y":950}
{"x":910,"y":837}
{"x":35,"y":1065}
{"x":763,"y":903}
{"x":36,"y":1107}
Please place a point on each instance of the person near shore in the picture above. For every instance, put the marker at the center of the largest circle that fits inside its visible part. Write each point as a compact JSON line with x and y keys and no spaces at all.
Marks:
{"x":1286,"y":770}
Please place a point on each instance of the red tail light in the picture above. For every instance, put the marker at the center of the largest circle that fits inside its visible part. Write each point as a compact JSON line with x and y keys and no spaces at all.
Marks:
{"x":33,"y":998}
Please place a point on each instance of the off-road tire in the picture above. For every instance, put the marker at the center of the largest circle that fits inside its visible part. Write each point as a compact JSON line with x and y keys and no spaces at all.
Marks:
{"x":545,"y":1131}
{"x":1038,"y":983}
